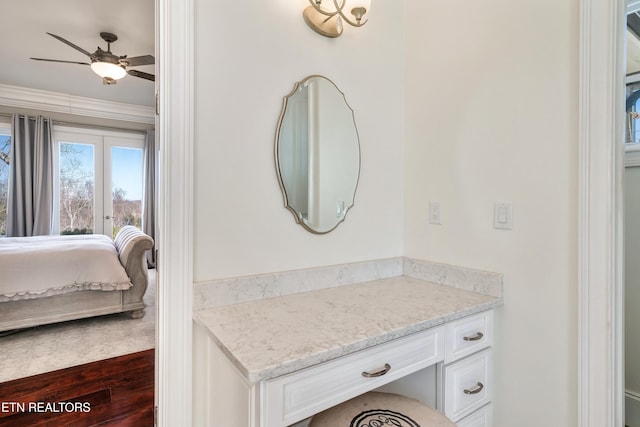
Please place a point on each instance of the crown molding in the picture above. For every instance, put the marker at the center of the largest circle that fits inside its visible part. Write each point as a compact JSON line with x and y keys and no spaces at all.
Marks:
{"x":22,"y":97}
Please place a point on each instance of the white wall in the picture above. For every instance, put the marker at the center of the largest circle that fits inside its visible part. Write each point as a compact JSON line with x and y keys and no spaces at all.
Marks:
{"x":248,"y":56}
{"x":491,"y":114}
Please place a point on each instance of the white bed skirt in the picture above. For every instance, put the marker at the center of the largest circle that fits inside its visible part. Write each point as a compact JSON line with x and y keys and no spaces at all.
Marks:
{"x":39,"y":266}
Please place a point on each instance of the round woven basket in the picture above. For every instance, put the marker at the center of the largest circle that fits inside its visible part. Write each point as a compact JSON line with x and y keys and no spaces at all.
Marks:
{"x":375,"y":409}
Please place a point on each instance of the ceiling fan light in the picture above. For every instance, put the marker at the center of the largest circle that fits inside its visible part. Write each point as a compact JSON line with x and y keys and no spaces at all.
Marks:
{"x":107,"y":69}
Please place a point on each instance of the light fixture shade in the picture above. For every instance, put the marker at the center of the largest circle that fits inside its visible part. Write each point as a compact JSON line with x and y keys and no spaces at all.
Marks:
{"x":358,"y":9}
{"x":107,"y":69}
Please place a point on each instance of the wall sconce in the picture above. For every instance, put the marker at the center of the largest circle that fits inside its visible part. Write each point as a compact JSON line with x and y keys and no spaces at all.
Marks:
{"x":328,"y":22}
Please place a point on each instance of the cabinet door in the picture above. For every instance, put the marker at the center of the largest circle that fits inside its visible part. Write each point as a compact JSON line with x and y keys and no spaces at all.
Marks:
{"x":483,"y":417}
{"x":467,"y":384}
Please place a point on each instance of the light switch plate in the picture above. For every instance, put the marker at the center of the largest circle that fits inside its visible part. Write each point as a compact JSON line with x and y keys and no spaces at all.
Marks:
{"x":503,"y":215}
{"x":435,"y":213}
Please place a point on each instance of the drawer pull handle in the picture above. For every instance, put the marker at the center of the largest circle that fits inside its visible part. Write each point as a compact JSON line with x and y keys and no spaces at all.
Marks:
{"x":478,"y":336}
{"x":379,"y":373}
{"x":477,"y":389}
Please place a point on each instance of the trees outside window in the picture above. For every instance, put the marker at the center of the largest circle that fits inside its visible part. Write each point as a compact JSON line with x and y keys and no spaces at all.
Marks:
{"x":5,"y":151}
{"x":77,"y":188}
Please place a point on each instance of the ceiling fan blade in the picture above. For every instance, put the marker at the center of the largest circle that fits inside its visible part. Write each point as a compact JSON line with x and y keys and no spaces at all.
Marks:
{"x":142,"y":75}
{"x":67,"y":42}
{"x":59,"y":60}
{"x":139,"y":60}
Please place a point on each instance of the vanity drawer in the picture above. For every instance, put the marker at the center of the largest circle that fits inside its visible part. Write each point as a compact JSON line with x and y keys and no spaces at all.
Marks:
{"x":467,"y":384}
{"x":468,"y":335}
{"x":293,"y":397}
{"x":483,"y":417}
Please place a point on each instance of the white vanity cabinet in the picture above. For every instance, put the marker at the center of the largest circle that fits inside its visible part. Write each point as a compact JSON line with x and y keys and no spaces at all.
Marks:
{"x":466,"y":376}
{"x":324,"y":347}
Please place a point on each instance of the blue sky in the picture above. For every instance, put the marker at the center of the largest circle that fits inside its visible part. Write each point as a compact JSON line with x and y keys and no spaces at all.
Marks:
{"x":127,"y":171}
{"x":126,"y":168}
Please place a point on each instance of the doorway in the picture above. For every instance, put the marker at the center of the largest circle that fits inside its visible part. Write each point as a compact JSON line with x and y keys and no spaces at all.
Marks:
{"x":70,"y":108}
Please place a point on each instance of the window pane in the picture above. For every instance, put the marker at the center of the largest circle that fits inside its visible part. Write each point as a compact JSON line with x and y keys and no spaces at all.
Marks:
{"x":632,"y":130}
{"x":77,"y":188}
{"x":635,"y":129}
{"x":5,"y":145}
{"x":126,"y":187}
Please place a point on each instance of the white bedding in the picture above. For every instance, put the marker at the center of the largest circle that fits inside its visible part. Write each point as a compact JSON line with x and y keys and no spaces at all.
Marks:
{"x":33,"y":267}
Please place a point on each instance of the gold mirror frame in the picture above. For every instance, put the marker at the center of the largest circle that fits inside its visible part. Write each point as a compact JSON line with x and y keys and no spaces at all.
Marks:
{"x":346,"y":165}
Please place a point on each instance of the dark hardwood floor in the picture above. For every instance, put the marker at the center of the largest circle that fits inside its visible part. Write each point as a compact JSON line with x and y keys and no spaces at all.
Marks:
{"x":112,"y":392}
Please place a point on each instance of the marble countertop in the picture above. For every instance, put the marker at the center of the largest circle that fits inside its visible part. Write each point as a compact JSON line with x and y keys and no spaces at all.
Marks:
{"x":276,"y":336}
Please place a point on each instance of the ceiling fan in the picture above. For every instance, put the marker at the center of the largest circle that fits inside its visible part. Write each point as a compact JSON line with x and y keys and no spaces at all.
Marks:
{"x":107,"y":65}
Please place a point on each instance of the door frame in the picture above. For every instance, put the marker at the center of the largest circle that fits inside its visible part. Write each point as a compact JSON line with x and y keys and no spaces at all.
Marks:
{"x":600,"y":214}
{"x":174,"y":124}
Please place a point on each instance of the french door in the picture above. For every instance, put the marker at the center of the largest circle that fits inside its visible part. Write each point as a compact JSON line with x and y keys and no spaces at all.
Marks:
{"x":99,"y":176}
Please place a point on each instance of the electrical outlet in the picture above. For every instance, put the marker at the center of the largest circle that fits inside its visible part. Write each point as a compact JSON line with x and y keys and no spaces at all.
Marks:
{"x":435,"y":215}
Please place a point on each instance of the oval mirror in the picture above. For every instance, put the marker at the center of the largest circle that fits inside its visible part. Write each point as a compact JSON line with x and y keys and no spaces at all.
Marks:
{"x":317,"y":154}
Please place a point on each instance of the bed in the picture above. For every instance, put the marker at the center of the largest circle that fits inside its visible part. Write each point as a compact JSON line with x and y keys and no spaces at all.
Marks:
{"x":49,"y":279}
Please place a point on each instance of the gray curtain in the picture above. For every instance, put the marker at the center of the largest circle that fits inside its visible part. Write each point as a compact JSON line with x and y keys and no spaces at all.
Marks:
{"x":149,"y":196}
{"x":30,"y":199}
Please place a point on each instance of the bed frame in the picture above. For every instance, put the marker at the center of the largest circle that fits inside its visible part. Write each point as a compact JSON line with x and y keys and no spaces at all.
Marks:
{"x":131,"y":245}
